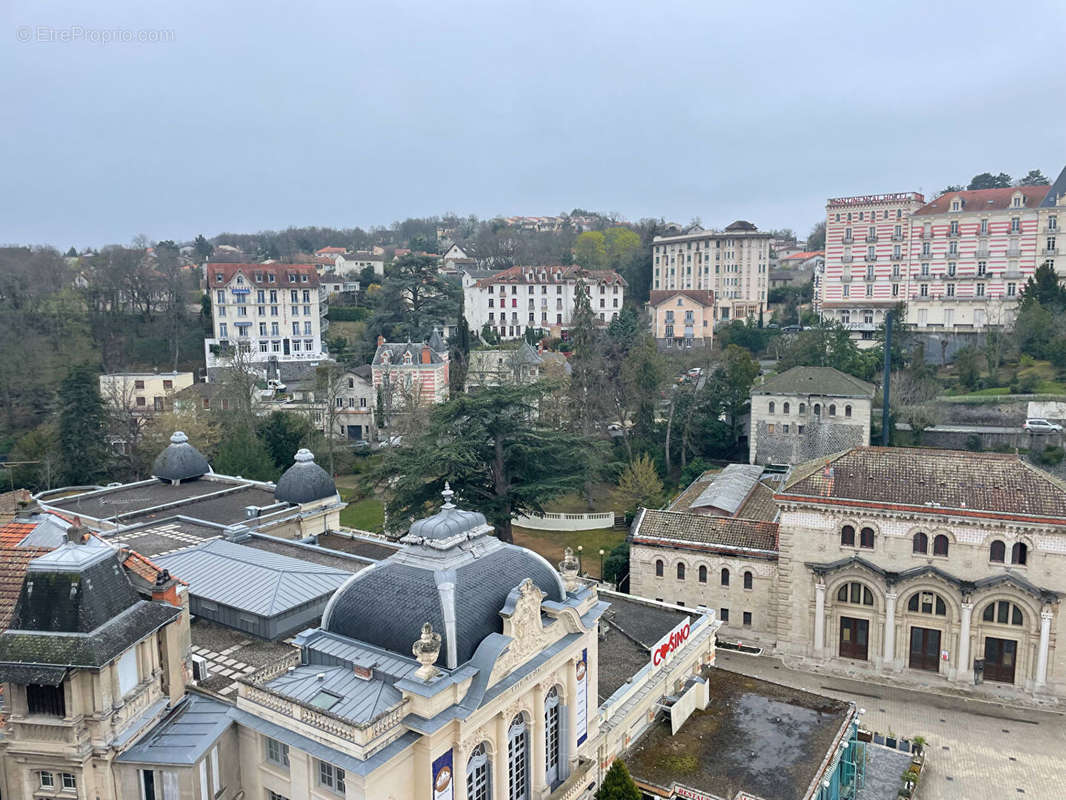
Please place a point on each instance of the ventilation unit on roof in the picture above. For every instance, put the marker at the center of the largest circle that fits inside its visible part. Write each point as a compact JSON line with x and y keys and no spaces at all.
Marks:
{"x":200,"y":672}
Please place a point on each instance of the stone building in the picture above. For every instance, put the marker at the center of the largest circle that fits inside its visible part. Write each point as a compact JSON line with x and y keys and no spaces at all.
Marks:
{"x":682,"y":318}
{"x":518,"y":367}
{"x":808,"y":412}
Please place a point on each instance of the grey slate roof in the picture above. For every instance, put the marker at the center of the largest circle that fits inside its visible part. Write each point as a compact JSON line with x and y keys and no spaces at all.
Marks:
{"x":180,"y":461}
{"x":815,"y":380}
{"x":357,"y":700}
{"x":729,"y":488}
{"x":184,"y":736}
{"x":304,"y":481}
{"x":1057,"y":190}
{"x":251,"y":580}
{"x":452,"y":574}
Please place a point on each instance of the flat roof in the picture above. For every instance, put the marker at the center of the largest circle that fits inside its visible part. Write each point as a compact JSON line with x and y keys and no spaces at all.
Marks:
{"x":233,"y":651}
{"x":214,"y":499}
{"x":184,"y":735}
{"x":756,"y":737}
{"x":306,"y":552}
{"x":165,"y":536}
{"x":631,"y":626}
{"x":373,"y":549}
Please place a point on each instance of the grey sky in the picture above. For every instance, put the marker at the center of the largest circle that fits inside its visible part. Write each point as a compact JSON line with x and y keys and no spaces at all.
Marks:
{"x":263,"y":115}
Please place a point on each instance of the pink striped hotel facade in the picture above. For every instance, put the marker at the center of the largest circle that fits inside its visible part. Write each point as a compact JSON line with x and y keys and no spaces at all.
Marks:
{"x":959,"y":262}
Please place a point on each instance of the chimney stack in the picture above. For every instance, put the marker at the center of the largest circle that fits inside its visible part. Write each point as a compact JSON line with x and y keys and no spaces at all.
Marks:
{"x":427,"y":357}
{"x":381,"y":340}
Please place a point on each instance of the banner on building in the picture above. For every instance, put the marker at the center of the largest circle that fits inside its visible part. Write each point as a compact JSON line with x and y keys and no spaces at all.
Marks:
{"x":582,"y":668}
{"x":443,"y":785}
{"x":663,"y":650}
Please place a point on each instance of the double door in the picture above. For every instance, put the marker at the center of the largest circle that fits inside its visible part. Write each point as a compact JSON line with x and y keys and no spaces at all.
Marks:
{"x":1001,"y":657}
{"x":925,"y":649}
{"x":854,"y":638}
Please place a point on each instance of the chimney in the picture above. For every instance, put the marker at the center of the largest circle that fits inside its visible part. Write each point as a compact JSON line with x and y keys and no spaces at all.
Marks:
{"x":427,"y":357}
{"x":76,"y":534}
{"x":166,"y":589}
{"x":381,"y":340}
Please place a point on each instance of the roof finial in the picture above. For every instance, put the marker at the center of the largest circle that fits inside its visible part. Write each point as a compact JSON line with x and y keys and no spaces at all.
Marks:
{"x":448,"y":494}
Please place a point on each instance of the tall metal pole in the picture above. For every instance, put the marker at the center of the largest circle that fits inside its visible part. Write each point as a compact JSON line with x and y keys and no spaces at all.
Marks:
{"x":887,"y":394}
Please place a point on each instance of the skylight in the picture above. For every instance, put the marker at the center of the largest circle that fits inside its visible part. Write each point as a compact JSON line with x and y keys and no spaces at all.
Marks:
{"x":324,"y":700}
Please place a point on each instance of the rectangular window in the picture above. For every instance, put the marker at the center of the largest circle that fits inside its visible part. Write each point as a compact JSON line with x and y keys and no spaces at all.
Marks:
{"x":331,"y":777}
{"x":127,"y":671}
{"x":277,"y":752}
{"x":148,"y":785}
{"x":723,"y":614}
{"x":216,"y":778}
{"x":951,"y":290}
{"x":980,"y":290}
{"x":1012,"y":289}
{"x":846,"y":290}
{"x":747,"y":619}
{"x":923,"y":290}
{"x":48,"y":780}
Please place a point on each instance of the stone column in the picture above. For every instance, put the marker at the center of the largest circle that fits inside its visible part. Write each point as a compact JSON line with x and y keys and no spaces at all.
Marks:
{"x":571,"y":714}
{"x":1041,"y":656}
{"x":539,"y":759}
{"x":499,"y":768}
{"x":819,"y":619}
{"x":963,"y":669}
{"x":890,"y":630}
{"x":459,"y":760}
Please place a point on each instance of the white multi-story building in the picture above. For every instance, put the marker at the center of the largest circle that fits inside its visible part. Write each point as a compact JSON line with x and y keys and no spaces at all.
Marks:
{"x":1051,"y":222}
{"x":514,"y":299}
{"x":866,"y":259}
{"x":733,"y":263}
{"x":274,"y":313}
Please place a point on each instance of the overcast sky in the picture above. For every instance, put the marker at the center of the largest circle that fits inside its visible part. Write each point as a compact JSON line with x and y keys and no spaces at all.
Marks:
{"x":259,"y":115}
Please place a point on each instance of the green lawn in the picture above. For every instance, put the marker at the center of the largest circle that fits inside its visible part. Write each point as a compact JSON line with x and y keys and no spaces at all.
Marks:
{"x":550,"y":544}
{"x":603,"y":499}
{"x":367,"y":514}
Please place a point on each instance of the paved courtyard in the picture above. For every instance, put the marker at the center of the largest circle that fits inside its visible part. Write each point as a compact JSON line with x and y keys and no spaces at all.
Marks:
{"x":976,"y":750}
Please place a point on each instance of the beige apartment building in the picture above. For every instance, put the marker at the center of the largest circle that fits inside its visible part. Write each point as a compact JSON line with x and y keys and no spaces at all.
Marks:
{"x":682,"y":318}
{"x":733,"y":263}
{"x":143,"y":392}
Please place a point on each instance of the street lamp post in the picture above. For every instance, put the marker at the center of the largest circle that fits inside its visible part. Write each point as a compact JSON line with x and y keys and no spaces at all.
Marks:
{"x":580,"y":551}
{"x":601,"y":563}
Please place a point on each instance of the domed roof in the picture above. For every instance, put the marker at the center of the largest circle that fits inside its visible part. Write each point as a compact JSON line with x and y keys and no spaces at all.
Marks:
{"x":304,"y":481}
{"x":452,"y":573}
{"x":180,"y":461}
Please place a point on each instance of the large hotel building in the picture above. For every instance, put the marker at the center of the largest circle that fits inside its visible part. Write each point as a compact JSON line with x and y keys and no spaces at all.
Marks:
{"x":958,"y":262}
{"x":731,"y":263}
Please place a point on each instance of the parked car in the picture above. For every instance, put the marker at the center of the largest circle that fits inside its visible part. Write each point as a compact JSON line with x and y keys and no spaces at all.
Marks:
{"x":1037,"y":425}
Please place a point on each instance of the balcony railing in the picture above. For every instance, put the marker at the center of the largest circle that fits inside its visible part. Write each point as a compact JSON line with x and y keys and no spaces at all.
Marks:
{"x":898,"y":237}
{"x":980,"y":253}
{"x":953,"y":234}
{"x":845,"y":277}
{"x":871,"y":257}
{"x":1014,"y":252}
{"x":871,"y":237}
{"x":896,"y":257}
{"x":846,"y":259}
{"x":848,"y":239}
{"x":870,"y":277}
{"x":924,"y":277}
{"x":574,"y":786}
{"x":1050,"y":251}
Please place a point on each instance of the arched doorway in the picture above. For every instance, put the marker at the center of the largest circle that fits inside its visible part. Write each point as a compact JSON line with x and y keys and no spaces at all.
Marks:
{"x":924,"y":640}
{"x":854,"y":641}
{"x":1002,"y":641}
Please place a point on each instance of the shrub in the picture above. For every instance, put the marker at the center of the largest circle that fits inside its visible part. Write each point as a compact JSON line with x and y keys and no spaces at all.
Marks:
{"x":1051,"y":455}
{"x":973,"y":443}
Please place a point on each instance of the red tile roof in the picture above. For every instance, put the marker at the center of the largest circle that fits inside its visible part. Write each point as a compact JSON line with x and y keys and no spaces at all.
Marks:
{"x":568,"y":274}
{"x":322,"y":251}
{"x":13,"y":563}
{"x":701,"y":532}
{"x":14,"y":532}
{"x":281,"y":273}
{"x":985,"y":199}
{"x":804,"y":255}
{"x":704,"y":298}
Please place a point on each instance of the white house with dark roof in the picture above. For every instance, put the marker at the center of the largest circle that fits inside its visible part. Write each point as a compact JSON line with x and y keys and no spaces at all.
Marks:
{"x":407,"y":375}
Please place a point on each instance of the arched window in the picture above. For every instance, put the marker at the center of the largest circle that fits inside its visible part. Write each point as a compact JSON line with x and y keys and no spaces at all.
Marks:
{"x":518,"y":759}
{"x":832,"y":410}
{"x":659,"y":566}
{"x":817,"y":409}
{"x":940,"y":545}
{"x":856,"y":594}
{"x":997,"y":552}
{"x":680,"y":571}
{"x":551,"y":737}
{"x":785,"y":408}
{"x":919,"y":543}
{"x":847,"y":536}
{"x":803,"y":408}
{"x":478,"y":784}
{"x":847,"y":411}
{"x":1019,"y":553}
{"x":866,"y":538}
{"x":1003,"y":613}
{"x":725,"y":576}
{"x":748,"y":579}
{"x":927,"y":603}
{"x":771,"y":406}
{"x":703,"y":574}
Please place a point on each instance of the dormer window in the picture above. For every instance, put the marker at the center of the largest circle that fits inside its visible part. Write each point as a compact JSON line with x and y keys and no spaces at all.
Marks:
{"x":292,"y":277}
{"x":270,"y":277}
{"x":240,"y":280}
{"x":407,"y":357}
{"x":218,"y":277}
{"x":259,"y":277}
{"x":1017,"y":201}
{"x":386,"y":357}
{"x":956,"y":204}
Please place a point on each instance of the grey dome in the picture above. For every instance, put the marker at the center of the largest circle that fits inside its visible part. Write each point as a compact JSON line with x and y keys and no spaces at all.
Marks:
{"x":180,"y":461}
{"x":304,"y":481}
{"x":452,"y":574}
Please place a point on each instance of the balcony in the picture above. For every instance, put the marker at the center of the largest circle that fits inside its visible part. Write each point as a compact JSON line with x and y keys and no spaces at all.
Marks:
{"x":574,"y":786}
{"x":899,"y":237}
{"x":871,"y":257}
{"x":323,"y":309}
{"x":979,"y":253}
{"x":845,"y":277}
{"x":896,"y":257}
{"x":1049,"y":251}
{"x":848,"y":239}
{"x":1013,"y":274}
{"x":1014,"y":252}
{"x":871,"y":237}
{"x":860,"y":326}
{"x":924,"y":277}
{"x":846,"y":259}
{"x":953,"y":234}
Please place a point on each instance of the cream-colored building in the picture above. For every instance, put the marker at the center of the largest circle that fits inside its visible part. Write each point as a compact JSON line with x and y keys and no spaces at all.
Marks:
{"x":734,"y":264}
{"x":682,"y":318}
{"x":808,"y":412}
{"x":1051,"y":241}
{"x":143,"y":392}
